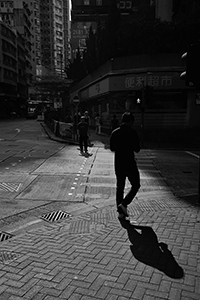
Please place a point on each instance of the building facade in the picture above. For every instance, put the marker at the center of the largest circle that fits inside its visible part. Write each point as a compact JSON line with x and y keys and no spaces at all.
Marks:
{"x":17,"y":15}
{"x":44,"y":25}
{"x":84,"y":15}
{"x":23,"y":23}
{"x":13,"y":81}
{"x":143,"y":83}
{"x":54,"y":36}
{"x":88,"y":13}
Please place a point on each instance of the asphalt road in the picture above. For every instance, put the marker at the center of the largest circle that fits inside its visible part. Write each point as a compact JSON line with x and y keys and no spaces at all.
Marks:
{"x":38,"y":175}
{"x":24,"y":147}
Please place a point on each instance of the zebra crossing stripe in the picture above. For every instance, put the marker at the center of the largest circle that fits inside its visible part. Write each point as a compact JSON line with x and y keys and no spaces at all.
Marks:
{"x":10,"y":187}
{"x":55,"y":216}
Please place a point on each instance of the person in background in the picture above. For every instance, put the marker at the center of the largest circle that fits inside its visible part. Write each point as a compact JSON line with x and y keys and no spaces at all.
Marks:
{"x":83,"y":135}
{"x":114,"y":123}
{"x":124,"y":141}
{"x":76,"y":120}
{"x":98,"y":124}
{"x":87,"y":120}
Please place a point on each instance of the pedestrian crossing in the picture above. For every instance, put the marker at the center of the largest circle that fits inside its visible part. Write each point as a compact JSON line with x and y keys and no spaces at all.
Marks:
{"x":10,"y":186}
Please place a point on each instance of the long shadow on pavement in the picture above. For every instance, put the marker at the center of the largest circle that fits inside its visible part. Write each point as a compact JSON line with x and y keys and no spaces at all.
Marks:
{"x":146,"y":248}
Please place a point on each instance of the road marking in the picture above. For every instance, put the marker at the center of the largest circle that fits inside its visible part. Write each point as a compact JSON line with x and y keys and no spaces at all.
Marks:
{"x":193,"y":154}
{"x":10,"y":186}
{"x":76,"y":178}
{"x":26,"y":225}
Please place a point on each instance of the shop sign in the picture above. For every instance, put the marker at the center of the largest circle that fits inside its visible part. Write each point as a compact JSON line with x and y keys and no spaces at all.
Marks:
{"x":79,"y":34}
{"x":98,"y":88}
{"x":152,"y":80}
{"x":138,"y":81}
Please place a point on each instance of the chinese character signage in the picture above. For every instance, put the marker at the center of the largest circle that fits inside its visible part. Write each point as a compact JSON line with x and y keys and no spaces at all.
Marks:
{"x":79,"y":33}
{"x":159,"y":81}
{"x":156,"y":81}
{"x":99,"y":88}
{"x":163,"y":80}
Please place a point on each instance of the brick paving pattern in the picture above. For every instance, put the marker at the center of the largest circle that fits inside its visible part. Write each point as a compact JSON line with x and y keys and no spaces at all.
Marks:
{"x":92,"y":256}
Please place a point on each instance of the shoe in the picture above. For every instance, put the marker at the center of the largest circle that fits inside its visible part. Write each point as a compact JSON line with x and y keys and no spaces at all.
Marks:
{"x":122,"y":210}
{"x":121,"y":216}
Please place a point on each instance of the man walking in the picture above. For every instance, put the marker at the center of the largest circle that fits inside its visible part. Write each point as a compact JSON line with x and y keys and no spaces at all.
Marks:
{"x":124,"y":141}
{"x":83,"y":134}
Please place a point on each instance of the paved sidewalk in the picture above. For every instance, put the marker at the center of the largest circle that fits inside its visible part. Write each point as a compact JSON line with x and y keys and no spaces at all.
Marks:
{"x":91,"y":255}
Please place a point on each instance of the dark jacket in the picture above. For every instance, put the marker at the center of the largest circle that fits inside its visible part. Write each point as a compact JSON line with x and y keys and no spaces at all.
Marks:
{"x":83,"y":129}
{"x":124,"y":141}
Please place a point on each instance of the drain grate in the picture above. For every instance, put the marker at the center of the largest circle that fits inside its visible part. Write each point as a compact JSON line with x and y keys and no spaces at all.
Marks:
{"x":55,"y":216}
{"x":5,"y":236}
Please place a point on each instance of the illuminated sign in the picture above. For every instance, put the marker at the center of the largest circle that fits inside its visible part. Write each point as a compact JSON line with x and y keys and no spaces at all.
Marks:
{"x":80,"y":32}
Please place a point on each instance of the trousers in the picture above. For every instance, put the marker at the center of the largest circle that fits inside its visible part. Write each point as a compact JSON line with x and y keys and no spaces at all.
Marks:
{"x":83,"y":142}
{"x":133,"y":176}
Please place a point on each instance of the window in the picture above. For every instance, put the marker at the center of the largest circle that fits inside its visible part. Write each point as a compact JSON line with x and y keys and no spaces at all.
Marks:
{"x":86,"y":2}
{"x":82,"y":43}
{"x":59,"y":33}
{"x":99,"y":2}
